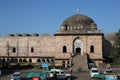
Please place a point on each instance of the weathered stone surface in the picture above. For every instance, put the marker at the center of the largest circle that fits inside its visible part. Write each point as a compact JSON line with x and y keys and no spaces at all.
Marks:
{"x":59,"y":47}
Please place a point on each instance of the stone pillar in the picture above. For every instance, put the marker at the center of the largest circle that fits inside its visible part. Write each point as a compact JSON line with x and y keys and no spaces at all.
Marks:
{"x":66,"y":64}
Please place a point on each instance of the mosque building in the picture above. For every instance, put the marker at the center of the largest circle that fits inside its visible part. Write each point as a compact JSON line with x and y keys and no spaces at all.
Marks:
{"x":77,"y":43}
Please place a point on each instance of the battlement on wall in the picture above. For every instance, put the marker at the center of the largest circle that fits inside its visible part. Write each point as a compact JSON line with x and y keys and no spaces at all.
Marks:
{"x":27,"y":35}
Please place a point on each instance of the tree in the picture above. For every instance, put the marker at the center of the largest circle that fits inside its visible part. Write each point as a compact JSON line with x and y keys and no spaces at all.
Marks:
{"x":115,"y":54}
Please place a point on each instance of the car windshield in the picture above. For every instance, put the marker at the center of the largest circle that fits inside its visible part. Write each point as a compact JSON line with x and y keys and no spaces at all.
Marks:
{"x":95,"y":71}
{"x":62,"y":72}
{"x":52,"y":72}
{"x":16,"y":75}
{"x":109,"y":71}
{"x":57,"y":72}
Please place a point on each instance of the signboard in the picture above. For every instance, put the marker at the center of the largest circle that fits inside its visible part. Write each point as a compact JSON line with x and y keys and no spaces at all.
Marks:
{"x":45,"y":65}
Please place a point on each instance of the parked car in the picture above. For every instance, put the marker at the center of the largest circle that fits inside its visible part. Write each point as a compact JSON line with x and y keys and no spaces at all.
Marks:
{"x":35,"y":78}
{"x":94,"y":71}
{"x":34,"y":75}
{"x":108,"y":71}
{"x":16,"y":76}
{"x":60,"y":74}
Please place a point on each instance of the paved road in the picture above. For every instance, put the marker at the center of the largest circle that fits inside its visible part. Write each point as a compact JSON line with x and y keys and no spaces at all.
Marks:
{"x":75,"y":75}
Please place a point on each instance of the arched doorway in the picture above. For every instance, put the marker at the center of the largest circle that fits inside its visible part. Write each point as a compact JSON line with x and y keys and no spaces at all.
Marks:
{"x":78,"y":50}
{"x":77,"y":46}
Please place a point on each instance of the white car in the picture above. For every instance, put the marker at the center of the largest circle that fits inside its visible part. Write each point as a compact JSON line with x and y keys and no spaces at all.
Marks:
{"x":94,"y":71}
{"x":16,"y":76}
{"x":61,"y":74}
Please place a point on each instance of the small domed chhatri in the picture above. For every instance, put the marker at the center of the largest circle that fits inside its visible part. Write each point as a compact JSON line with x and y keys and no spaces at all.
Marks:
{"x":78,"y":23}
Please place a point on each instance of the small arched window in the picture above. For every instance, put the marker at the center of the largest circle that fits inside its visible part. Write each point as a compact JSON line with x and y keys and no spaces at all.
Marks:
{"x":38,"y":60}
{"x":64,"y":49}
{"x":48,"y":60}
{"x":24,"y":60}
{"x":30,"y":60}
{"x":14,"y":50}
{"x":92,"y":49}
{"x":52,"y":61}
{"x":20,"y":60}
{"x":32,"y":50}
{"x":43,"y":60}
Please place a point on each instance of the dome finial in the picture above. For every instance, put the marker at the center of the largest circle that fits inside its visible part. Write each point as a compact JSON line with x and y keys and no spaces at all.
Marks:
{"x":78,"y":11}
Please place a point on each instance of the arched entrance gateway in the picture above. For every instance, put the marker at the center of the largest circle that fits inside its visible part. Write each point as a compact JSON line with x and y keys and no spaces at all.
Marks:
{"x":77,"y":46}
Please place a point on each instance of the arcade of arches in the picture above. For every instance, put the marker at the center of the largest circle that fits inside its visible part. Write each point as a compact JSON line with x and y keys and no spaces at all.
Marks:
{"x":29,"y":60}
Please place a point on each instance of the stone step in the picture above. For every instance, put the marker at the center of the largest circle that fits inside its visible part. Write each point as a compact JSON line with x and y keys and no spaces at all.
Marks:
{"x":79,"y":62}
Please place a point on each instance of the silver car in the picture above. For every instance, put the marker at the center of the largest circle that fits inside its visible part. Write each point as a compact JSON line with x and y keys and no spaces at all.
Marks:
{"x":16,"y":76}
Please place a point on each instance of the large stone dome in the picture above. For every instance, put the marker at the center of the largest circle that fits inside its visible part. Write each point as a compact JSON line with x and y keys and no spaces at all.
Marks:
{"x":78,"y":22}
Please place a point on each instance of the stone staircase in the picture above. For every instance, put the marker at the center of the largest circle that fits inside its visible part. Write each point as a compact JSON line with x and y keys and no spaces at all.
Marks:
{"x":79,"y":62}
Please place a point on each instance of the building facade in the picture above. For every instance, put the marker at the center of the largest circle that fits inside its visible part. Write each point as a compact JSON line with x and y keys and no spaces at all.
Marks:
{"x":77,"y":43}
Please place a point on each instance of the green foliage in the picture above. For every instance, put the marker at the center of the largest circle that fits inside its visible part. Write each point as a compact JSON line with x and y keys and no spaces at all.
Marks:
{"x":115,"y":55}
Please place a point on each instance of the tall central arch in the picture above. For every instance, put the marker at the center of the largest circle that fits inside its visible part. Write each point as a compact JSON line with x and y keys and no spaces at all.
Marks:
{"x":77,"y":46}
